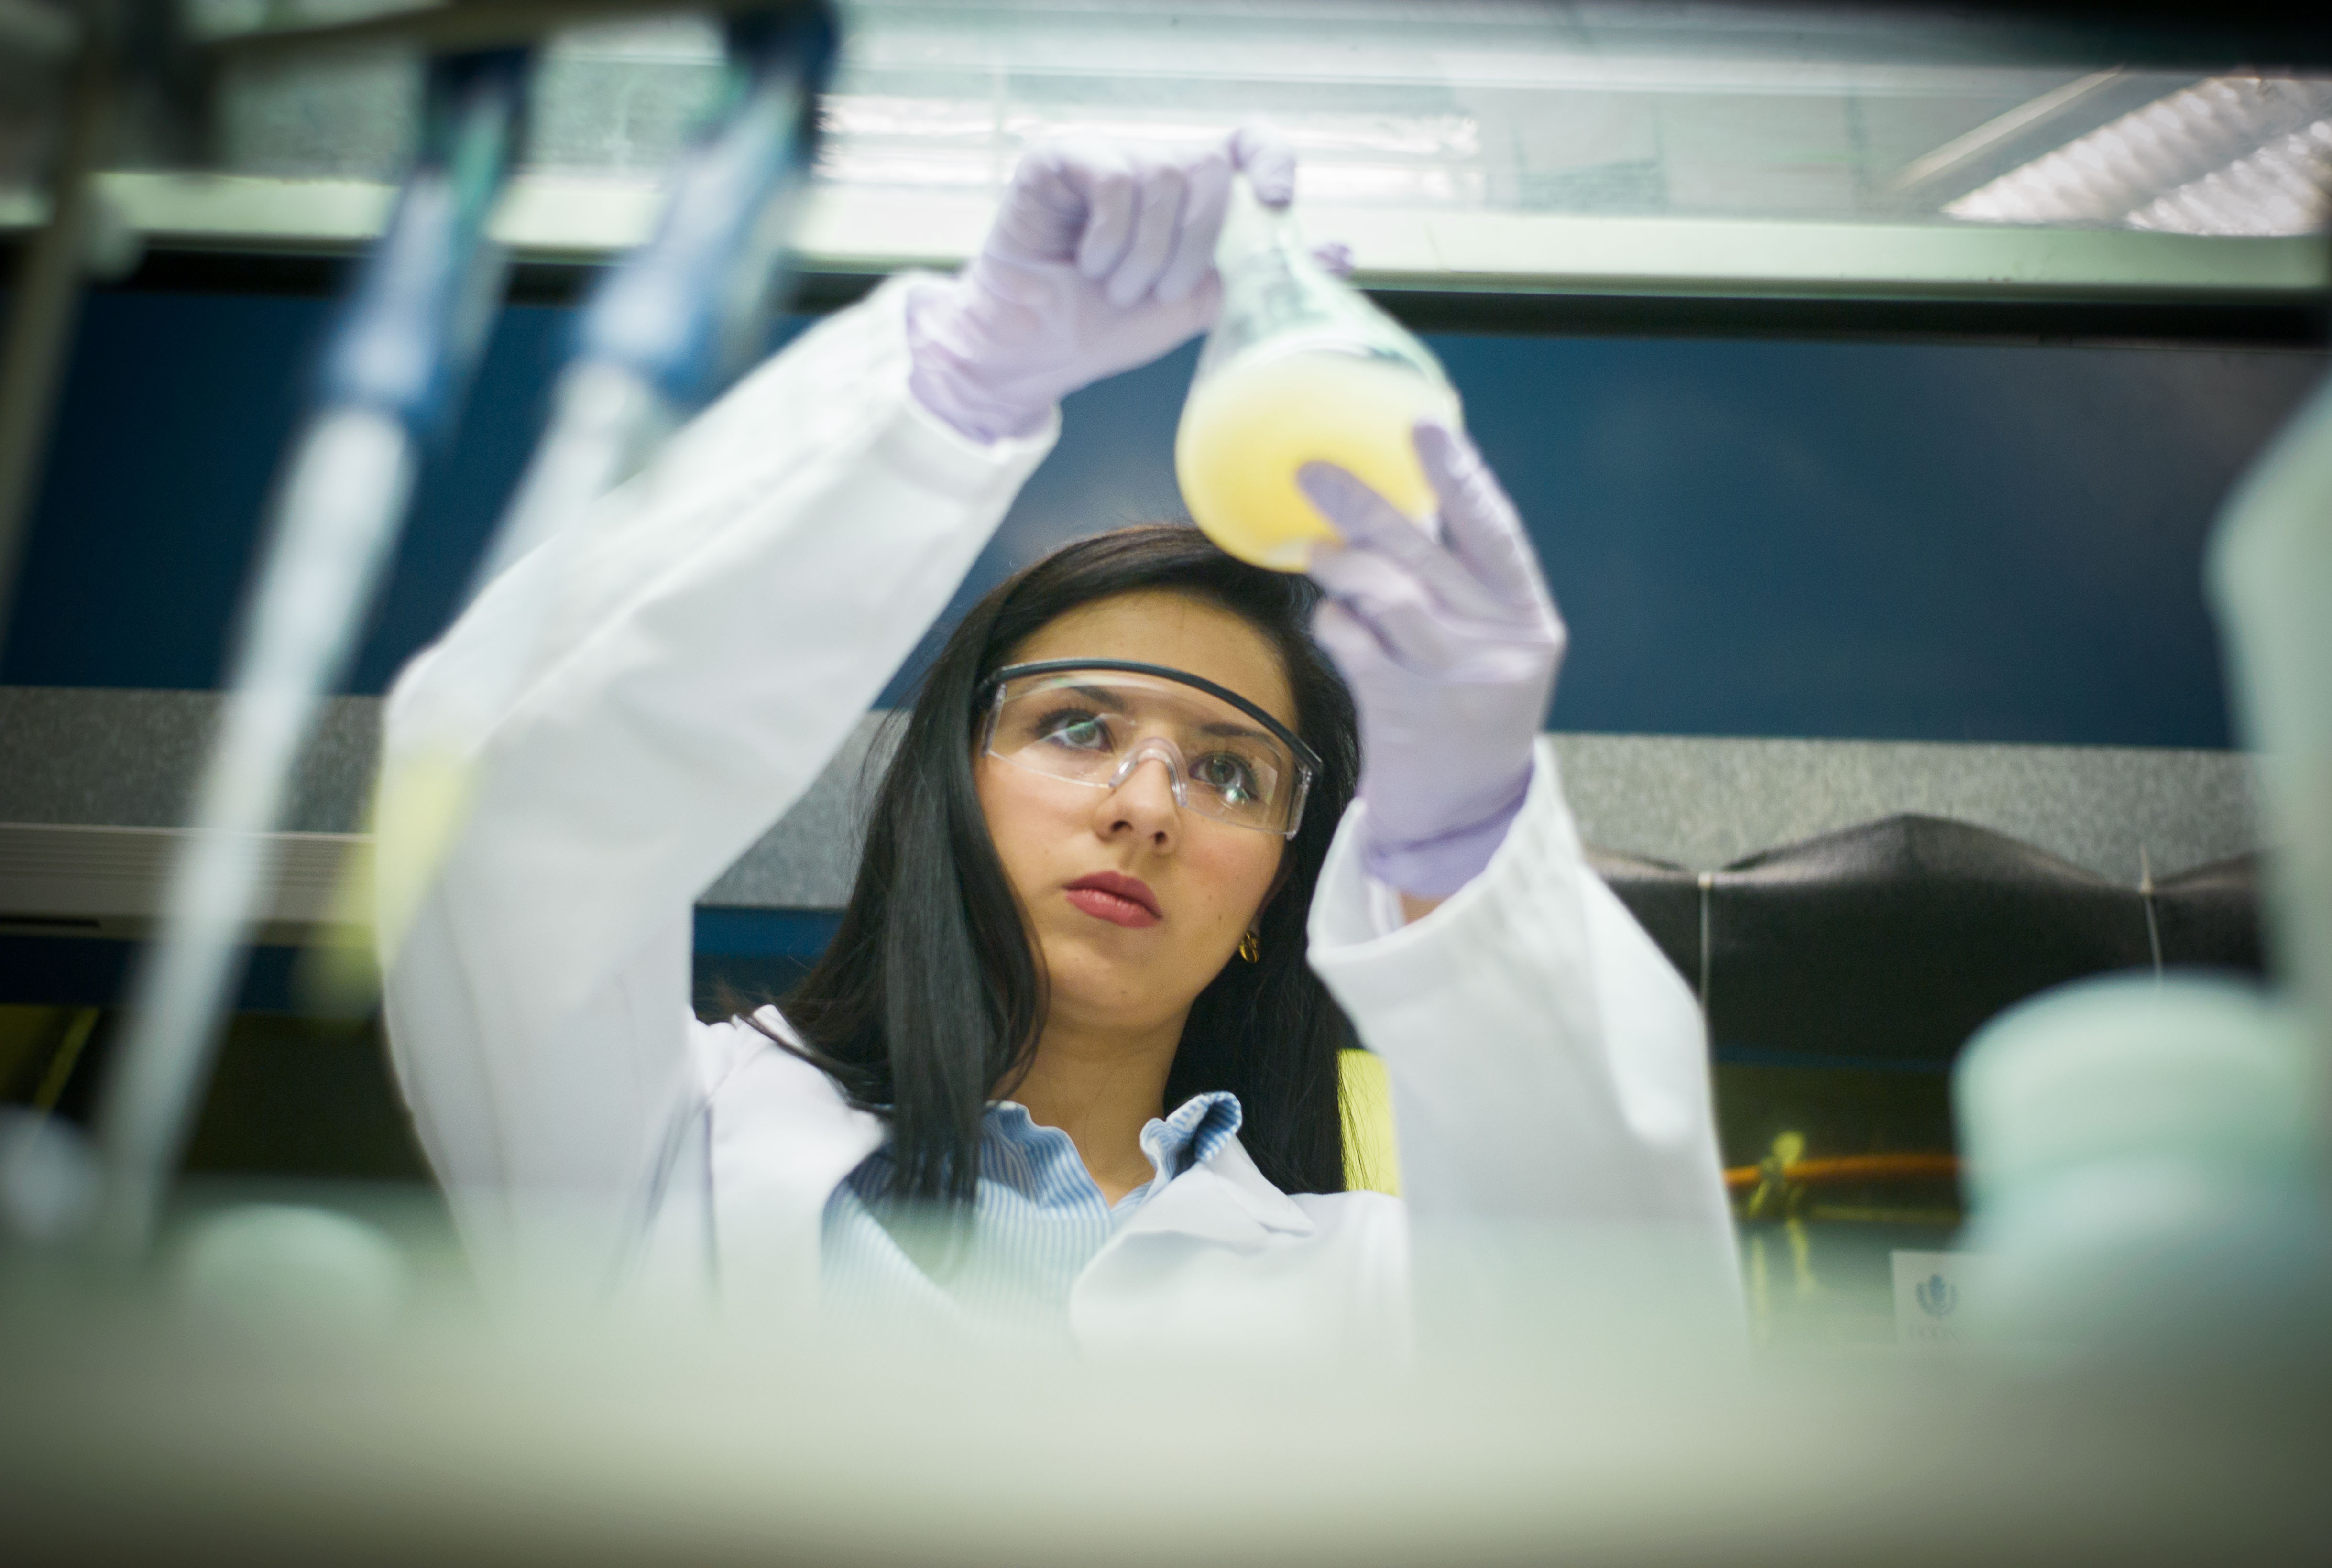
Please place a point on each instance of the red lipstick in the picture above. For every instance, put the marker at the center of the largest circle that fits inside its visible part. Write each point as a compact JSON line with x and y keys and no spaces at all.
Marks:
{"x":1115,"y":897}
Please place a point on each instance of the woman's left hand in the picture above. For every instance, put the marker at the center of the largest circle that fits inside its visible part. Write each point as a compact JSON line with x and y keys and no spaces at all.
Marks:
{"x":1450,"y":648}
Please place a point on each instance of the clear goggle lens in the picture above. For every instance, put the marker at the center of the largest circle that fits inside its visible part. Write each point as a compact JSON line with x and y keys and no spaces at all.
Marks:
{"x":1095,"y":727}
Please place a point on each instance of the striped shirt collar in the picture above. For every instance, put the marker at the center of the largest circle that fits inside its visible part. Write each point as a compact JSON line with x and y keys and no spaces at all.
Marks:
{"x":1199,"y":1128}
{"x":1191,"y":1134}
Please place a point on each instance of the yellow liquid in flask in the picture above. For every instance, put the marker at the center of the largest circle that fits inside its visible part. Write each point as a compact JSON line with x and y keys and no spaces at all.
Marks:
{"x":1247,"y":429}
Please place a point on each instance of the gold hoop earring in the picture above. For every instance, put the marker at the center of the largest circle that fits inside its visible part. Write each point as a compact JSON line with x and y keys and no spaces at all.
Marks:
{"x":1251,"y":946}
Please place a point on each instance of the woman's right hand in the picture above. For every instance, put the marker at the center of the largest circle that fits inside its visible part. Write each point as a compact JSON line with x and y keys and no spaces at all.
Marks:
{"x":1101,"y":259}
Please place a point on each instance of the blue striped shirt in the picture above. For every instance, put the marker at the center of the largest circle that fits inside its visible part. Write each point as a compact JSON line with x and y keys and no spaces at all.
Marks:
{"x":1038,"y":1219}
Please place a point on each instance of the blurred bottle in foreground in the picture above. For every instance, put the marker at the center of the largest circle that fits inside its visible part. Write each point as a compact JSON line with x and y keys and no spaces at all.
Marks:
{"x":2269,"y":576}
{"x":2151,"y":1158}
{"x":2144,"y":1166}
{"x":1300,"y":368}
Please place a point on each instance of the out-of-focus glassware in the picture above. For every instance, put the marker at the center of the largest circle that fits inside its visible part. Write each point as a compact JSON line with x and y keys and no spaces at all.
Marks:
{"x":2146,"y":1170}
{"x":2270,"y":573}
{"x":2149,"y":1156}
{"x":1300,"y":368}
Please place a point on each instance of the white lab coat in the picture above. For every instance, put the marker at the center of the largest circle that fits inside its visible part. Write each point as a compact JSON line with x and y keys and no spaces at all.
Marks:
{"x":727,"y":617}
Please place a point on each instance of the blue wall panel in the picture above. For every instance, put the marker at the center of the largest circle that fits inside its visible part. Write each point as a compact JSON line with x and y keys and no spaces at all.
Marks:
{"x":1945,"y":541}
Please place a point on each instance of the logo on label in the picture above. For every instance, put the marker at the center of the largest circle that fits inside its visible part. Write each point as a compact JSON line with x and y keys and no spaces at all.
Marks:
{"x":1936,"y":1296}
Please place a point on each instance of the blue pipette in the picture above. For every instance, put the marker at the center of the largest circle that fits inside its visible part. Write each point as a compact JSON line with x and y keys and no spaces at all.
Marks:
{"x":666,"y":332}
{"x":684,"y":312}
{"x":390,"y":382}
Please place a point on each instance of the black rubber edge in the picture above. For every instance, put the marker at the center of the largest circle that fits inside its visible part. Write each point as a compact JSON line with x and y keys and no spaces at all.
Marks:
{"x":2305,"y":323}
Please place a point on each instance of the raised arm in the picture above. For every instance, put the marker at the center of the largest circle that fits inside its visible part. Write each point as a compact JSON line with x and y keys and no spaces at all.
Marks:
{"x":1547,"y":1064}
{"x":725,"y":619}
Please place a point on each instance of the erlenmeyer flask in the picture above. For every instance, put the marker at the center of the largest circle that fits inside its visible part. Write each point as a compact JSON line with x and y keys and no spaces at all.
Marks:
{"x":1300,"y":368}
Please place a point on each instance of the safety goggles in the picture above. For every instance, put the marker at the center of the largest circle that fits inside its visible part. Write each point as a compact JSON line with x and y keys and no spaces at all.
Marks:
{"x":1093,"y":721}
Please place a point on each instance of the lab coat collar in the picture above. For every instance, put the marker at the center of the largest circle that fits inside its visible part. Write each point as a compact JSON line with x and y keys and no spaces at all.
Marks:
{"x":772,"y":1190}
{"x":783,"y":1139}
{"x":1223,"y":1200}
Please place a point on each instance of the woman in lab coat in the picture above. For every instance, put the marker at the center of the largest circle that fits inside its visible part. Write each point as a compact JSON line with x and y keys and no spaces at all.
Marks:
{"x":1137,"y":834}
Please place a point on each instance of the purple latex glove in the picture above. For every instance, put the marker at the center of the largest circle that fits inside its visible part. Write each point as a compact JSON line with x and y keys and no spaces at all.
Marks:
{"x":1451,"y":649}
{"x":1101,"y":258}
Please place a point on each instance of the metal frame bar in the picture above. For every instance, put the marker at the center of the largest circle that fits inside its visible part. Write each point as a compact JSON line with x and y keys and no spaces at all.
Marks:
{"x":561,"y":218}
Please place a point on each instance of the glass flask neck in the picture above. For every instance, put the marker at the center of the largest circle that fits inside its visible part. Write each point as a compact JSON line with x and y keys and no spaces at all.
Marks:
{"x":1251,"y":229}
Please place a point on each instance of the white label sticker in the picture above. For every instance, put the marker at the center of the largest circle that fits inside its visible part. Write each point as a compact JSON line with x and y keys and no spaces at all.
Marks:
{"x":1930,"y":1299}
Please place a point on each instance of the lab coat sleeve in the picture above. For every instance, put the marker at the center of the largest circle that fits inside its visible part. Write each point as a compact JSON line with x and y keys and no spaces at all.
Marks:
{"x":724,"y":620}
{"x":1548,"y":1065}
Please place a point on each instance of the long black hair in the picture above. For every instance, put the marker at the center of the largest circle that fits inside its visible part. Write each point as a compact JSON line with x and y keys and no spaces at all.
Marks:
{"x":929,"y":999}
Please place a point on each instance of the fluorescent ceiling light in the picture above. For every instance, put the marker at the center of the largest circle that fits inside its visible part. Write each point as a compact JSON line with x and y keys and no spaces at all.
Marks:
{"x":938,"y":143}
{"x":2280,"y":189}
{"x":1583,"y":108}
{"x":2232,"y":155}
